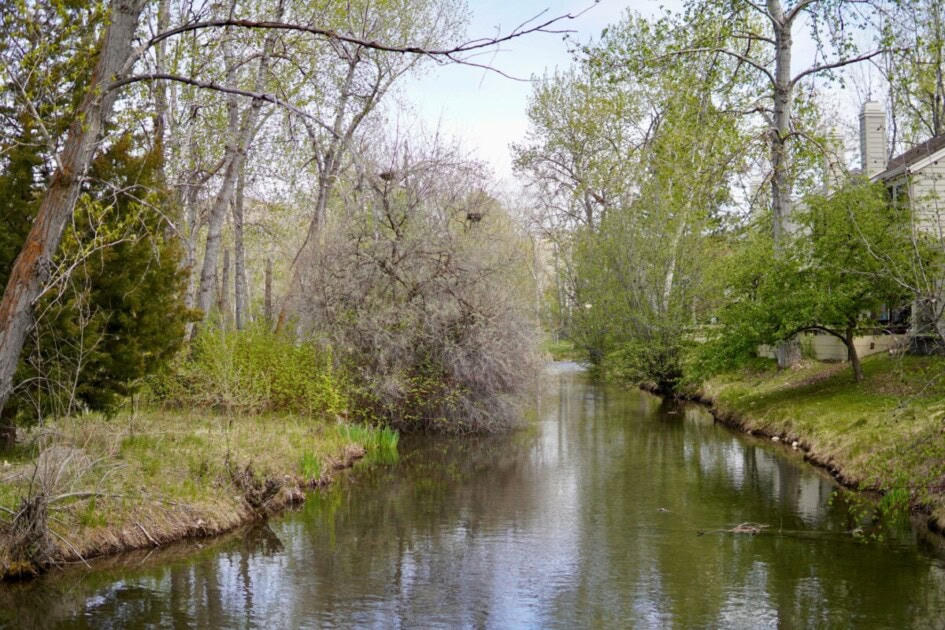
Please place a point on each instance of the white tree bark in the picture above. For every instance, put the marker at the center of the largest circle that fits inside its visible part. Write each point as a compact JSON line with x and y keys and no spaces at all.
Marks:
{"x":236,"y":156}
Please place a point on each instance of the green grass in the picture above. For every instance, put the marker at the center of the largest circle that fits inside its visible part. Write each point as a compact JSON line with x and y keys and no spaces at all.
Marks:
{"x":561,"y":350}
{"x":887,"y":432}
{"x":309,"y":466}
{"x":380,"y":444}
{"x":166,"y":473}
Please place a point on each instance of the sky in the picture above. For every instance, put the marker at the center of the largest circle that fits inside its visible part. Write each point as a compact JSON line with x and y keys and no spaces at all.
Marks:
{"x":487,"y":111}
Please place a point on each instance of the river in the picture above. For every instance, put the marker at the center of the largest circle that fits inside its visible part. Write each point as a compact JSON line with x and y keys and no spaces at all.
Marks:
{"x":608,"y":511}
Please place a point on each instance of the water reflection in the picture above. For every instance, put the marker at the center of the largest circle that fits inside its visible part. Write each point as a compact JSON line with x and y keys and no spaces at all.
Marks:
{"x":591,"y":518}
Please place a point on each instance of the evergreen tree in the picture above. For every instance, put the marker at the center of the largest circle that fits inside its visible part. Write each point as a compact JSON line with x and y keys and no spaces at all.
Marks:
{"x":116,"y":312}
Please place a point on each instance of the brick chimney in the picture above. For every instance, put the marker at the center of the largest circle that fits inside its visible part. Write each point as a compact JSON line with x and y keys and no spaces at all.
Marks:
{"x":872,"y":138}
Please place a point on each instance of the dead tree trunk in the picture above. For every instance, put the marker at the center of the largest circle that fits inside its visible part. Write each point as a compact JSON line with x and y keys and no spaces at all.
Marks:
{"x":32,"y":266}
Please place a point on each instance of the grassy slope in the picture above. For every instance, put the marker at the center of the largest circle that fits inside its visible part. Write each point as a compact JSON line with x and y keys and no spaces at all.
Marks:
{"x":163,"y":476}
{"x":562,"y":350}
{"x":887,"y":433}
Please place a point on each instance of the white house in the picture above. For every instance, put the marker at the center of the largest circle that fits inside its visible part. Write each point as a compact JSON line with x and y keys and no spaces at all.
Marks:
{"x":916,"y":181}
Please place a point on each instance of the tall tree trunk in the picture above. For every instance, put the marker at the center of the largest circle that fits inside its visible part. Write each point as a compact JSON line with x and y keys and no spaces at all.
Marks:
{"x":781,"y":187}
{"x":217,"y":213}
{"x":789,"y":352}
{"x":329,"y":163}
{"x":32,"y":266}
{"x":225,"y":289}
{"x":160,"y":88}
{"x":236,"y":156}
{"x":240,"y":284}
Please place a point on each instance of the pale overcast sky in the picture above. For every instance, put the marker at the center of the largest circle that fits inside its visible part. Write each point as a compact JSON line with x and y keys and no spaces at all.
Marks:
{"x":486,"y":110}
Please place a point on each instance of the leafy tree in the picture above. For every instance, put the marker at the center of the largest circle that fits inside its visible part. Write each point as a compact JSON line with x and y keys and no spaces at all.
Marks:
{"x":914,"y":67}
{"x":829,"y":278}
{"x":635,"y":184}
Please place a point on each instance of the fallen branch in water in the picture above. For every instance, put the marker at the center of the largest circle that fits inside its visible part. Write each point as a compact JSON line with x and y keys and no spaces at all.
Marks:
{"x":744,"y":528}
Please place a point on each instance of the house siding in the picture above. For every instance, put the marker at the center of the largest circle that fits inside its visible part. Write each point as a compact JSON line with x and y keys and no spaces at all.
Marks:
{"x":927,"y":193}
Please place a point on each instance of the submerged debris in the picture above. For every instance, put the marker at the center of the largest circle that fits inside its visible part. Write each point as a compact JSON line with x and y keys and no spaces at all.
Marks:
{"x":743,"y":528}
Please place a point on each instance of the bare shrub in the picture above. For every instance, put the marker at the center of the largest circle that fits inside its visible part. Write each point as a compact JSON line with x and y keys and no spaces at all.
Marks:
{"x":421,"y":286}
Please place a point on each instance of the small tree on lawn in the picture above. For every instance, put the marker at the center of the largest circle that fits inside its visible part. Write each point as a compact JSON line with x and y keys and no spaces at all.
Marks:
{"x":837,"y":272}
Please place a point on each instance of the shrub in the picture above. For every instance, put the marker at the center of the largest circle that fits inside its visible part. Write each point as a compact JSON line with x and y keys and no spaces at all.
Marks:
{"x":423,"y":287}
{"x":655,"y":363}
{"x":255,"y":370}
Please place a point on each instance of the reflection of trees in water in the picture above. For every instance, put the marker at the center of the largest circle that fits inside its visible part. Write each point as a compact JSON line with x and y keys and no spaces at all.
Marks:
{"x":561,"y":524}
{"x":183,"y":587}
{"x":644,"y":566}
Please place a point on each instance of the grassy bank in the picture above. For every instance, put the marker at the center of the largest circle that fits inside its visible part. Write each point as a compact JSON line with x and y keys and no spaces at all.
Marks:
{"x":83,"y":487}
{"x":561,"y":350}
{"x":886,"y":433}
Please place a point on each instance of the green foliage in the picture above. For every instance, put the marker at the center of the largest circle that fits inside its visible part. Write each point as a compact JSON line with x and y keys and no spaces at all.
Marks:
{"x":914,"y":35}
{"x":636,"y":211}
{"x":841,"y":265}
{"x":426,"y":399}
{"x":114,"y":311}
{"x":657,"y":362}
{"x":309,"y":466}
{"x":255,"y":370}
{"x":560,"y":350}
{"x":380,"y":444}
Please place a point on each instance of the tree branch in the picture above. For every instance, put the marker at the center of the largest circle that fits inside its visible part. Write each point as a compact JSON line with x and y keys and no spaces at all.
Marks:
{"x":796,"y":10}
{"x":725,"y":51}
{"x":477,"y":44}
{"x":207,"y":85}
{"x":836,"y":64}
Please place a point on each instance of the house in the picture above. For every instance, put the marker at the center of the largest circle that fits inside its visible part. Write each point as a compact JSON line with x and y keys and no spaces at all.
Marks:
{"x":915,"y":179}
{"x":916,"y":182}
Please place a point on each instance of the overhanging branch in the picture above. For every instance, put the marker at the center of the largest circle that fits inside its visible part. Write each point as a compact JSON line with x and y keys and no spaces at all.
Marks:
{"x":207,"y":85}
{"x":473,"y":45}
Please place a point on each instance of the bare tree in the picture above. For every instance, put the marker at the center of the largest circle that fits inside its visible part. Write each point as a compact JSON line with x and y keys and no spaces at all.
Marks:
{"x":425,"y":284}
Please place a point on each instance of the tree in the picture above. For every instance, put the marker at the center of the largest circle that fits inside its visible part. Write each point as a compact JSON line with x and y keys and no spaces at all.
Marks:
{"x":113,"y":311}
{"x":633,"y":169}
{"x":829,"y":278}
{"x":116,"y":58}
{"x":760,"y":37}
{"x":357,"y":78}
{"x":914,"y":69}
{"x":30,"y":270}
{"x":423,"y":287}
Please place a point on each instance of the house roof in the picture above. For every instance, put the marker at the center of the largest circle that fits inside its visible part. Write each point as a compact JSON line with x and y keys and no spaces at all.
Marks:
{"x":918,"y":156}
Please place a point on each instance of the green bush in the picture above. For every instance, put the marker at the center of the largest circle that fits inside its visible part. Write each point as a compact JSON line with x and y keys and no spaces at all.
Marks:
{"x":255,"y":370}
{"x":658,"y":364}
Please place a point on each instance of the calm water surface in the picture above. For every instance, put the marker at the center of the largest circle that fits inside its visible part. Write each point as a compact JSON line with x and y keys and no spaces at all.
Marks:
{"x":590,"y":518}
